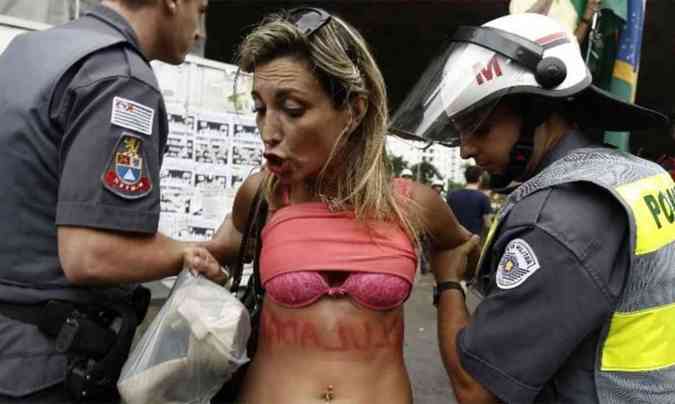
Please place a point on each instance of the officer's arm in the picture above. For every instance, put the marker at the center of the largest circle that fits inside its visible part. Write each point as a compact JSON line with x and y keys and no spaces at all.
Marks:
{"x":452,"y":317}
{"x":101,"y":257}
{"x":452,"y":245}
{"x":114,"y":129}
{"x":449,"y":265}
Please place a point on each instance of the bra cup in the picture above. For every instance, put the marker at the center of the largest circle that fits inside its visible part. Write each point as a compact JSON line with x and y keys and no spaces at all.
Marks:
{"x":377,"y":291}
{"x":296,"y":289}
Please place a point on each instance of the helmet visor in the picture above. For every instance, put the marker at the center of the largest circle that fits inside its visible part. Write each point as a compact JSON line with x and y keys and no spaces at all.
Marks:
{"x":454,"y":96}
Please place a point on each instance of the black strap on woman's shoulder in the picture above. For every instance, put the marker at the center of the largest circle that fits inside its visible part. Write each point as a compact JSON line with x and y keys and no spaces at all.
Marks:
{"x":254,"y":223}
{"x":258,"y":225}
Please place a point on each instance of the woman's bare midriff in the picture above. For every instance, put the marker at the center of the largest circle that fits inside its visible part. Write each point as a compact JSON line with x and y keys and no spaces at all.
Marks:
{"x":333,"y":351}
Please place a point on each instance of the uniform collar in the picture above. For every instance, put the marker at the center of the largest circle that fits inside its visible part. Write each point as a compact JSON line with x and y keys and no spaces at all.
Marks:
{"x":571,"y":141}
{"x":117,"y":21}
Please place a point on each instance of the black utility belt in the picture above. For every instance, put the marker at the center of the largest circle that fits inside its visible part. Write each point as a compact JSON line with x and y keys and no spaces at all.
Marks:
{"x":76,"y":328}
{"x":95,"y":339}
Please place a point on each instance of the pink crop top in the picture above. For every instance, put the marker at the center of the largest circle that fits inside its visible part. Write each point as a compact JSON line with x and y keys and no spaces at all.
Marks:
{"x":300,"y":241}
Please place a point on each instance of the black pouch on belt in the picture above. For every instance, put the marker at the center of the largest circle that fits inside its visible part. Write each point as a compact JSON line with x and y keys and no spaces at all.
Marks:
{"x":74,"y":330}
{"x":97,"y":340}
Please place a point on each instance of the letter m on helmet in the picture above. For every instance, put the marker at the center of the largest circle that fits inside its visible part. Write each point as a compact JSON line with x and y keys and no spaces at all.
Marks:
{"x":488,"y":72}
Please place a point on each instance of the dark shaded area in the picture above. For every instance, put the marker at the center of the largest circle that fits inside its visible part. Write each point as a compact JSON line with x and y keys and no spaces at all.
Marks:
{"x":656,"y":83}
{"x":405,"y":35}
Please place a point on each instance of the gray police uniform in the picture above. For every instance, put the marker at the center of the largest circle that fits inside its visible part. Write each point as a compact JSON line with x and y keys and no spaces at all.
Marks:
{"x":83,"y":132}
{"x":558,"y":276}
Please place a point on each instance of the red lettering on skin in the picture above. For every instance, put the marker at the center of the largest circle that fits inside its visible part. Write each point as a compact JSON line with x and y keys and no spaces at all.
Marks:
{"x":368,"y":336}
{"x":366,"y":342}
{"x":361,"y":336}
{"x":267,"y":330}
{"x":309,"y":336}
{"x":288,"y":331}
{"x":395,"y":332}
{"x":278,"y":331}
{"x":343,"y":337}
{"x":378,"y":334}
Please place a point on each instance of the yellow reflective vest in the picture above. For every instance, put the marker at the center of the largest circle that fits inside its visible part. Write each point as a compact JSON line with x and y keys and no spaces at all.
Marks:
{"x":635,"y":360}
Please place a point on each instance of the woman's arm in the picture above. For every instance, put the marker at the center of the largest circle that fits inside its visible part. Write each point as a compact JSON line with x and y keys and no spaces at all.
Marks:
{"x":225,"y":243}
{"x":440,"y":223}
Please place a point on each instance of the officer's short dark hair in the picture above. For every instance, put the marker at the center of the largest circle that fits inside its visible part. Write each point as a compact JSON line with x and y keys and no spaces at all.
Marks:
{"x":472,"y":174}
{"x":134,"y":4}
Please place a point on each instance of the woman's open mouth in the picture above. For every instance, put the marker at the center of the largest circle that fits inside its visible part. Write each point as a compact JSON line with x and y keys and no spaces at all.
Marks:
{"x":275,"y":164}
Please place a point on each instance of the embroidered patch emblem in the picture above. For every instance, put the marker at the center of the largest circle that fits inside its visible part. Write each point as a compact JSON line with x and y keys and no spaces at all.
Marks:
{"x":132,"y":115}
{"x":516,"y":265}
{"x":126,"y":174}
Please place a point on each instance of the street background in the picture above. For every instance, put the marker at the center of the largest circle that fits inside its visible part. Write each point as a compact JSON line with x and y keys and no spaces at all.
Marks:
{"x":429,"y":380}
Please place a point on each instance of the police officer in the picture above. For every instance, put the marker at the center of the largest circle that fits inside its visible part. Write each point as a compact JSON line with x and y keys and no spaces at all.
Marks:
{"x":83,"y":130}
{"x":578,"y":272}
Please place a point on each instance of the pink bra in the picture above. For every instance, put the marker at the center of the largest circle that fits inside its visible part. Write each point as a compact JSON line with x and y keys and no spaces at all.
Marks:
{"x":372,"y":290}
{"x":302,"y":240}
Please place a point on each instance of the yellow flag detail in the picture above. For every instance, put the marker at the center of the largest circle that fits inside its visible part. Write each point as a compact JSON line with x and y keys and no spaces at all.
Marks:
{"x":652,"y":201}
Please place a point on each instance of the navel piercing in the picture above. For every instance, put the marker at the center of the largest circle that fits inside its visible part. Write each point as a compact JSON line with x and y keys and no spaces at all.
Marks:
{"x":329,"y":395}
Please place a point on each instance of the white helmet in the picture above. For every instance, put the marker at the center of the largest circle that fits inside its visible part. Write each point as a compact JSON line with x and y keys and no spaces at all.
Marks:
{"x":515,"y":54}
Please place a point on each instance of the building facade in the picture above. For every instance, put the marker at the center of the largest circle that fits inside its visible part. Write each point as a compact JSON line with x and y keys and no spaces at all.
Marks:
{"x":445,"y":159}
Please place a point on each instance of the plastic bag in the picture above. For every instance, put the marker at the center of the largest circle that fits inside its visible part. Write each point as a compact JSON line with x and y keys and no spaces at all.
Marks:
{"x":193,"y":346}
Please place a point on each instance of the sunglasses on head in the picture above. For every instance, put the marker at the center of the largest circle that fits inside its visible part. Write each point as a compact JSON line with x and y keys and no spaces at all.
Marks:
{"x":308,"y":19}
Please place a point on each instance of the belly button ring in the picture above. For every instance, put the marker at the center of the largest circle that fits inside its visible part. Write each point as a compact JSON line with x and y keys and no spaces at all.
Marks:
{"x":329,"y":395}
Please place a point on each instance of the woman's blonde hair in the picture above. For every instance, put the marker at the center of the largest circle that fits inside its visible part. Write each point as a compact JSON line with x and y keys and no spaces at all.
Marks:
{"x":342,"y":62}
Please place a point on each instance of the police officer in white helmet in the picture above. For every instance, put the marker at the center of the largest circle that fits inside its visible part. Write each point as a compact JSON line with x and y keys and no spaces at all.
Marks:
{"x":579,"y":266}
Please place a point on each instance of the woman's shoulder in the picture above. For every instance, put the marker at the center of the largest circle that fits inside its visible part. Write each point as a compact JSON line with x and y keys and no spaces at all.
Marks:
{"x":243,"y":201}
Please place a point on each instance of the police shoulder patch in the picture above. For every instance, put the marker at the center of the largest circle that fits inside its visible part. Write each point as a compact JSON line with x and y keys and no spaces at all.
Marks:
{"x":126,"y":173}
{"x":517,"y":264}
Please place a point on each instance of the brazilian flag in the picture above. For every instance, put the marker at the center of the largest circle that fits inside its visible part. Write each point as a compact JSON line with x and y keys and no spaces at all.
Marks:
{"x":612,"y":52}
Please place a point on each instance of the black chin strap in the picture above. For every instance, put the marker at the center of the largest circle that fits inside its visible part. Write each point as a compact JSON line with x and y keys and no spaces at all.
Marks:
{"x":534,"y":112}
{"x":518,"y":159}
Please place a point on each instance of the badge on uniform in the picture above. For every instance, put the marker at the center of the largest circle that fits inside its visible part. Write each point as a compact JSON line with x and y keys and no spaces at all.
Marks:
{"x":126,"y":174}
{"x":517,"y":264}
{"x":132,"y":115}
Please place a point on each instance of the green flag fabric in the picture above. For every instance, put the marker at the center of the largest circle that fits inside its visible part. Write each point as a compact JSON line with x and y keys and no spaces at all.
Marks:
{"x":602,"y":49}
{"x":611,"y":49}
{"x":627,"y":64}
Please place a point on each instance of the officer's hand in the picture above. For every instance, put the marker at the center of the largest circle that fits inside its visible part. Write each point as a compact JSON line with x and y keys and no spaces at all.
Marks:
{"x":452,"y":265}
{"x":200,"y":261}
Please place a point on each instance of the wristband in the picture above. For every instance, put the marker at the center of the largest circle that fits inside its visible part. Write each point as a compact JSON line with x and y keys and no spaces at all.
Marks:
{"x":443,"y":286}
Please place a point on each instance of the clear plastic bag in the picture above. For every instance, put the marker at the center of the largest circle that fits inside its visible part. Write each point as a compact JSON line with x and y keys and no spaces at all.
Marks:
{"x":193,"y":346}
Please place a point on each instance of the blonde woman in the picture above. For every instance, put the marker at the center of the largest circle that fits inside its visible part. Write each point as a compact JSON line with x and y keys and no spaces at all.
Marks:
{"x":340,"y":243}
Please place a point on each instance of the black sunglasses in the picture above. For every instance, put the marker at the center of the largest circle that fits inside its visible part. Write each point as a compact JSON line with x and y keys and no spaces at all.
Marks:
{"x":308,"y":19}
